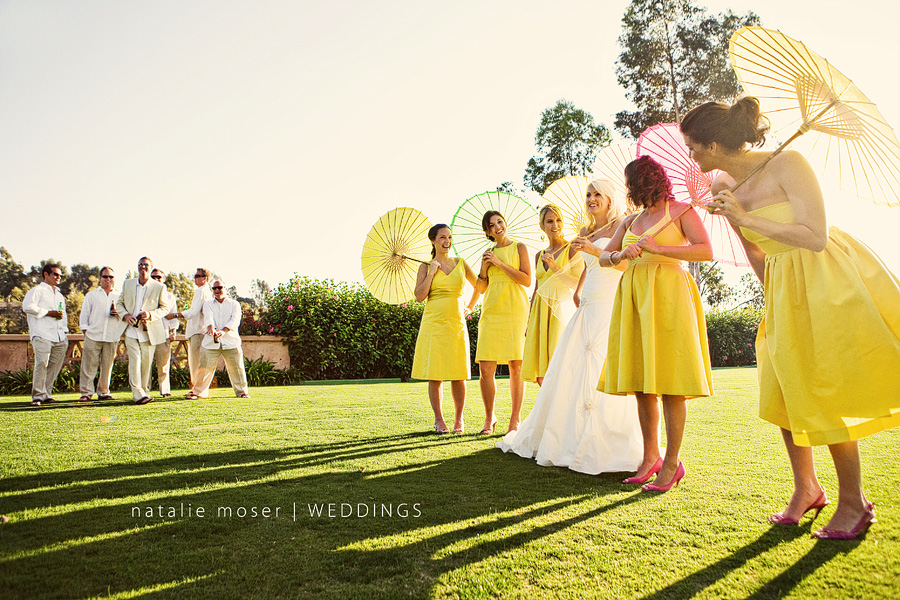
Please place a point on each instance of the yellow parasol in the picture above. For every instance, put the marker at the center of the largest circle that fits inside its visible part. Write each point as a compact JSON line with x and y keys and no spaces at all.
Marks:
{"x":610,"y":164}
{"x":799,"y":90}
{"x":394,"y":246}
{"x":568,"y":195}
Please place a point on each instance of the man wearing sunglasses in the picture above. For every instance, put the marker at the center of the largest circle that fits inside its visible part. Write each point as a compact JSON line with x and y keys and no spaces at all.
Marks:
{"x":45,"y":307}
{"x":102,"y":329}
{"x":142,"y":305}
{"x":194,"y":328}
{"x":222,"y":316}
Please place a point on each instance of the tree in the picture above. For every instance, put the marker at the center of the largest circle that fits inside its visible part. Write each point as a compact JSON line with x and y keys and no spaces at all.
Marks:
{"x":674,"y":57}
{"x":751,"y":291}
{"x":566,"y":141}
{"x":182,"y":286}
{"x":261,"y":293}
{"x":12,"y":275}
{"x":711,"y":282}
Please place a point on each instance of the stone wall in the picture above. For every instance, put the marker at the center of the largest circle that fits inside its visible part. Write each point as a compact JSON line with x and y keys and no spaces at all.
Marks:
{"x":16,"y":353}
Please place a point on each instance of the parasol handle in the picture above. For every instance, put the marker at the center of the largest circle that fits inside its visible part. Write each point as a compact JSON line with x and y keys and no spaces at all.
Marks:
{"x":418,"y":260}
{"x":806,"y":126}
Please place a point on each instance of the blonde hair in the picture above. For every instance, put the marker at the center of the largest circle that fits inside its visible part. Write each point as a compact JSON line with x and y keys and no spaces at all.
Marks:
{"x":548,"y":208}
{"x":617,"y":207}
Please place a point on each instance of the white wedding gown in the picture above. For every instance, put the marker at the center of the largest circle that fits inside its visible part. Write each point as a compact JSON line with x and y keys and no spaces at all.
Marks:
{"x":572,"y":424}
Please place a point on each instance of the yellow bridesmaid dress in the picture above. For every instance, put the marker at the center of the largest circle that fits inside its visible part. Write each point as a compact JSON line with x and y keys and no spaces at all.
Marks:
{"x":657,"y":333}
{"x":544,"y":326}
{"x":828,"y":349}
{"x":504,"y":313}
{"x":442,"y":347}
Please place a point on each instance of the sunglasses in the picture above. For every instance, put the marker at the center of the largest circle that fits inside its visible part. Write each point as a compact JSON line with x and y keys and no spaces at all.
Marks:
{"x":157,"y":277}
{"x":55,"y":274}
{"x":196,"y":275}
{"x":107,"y":276}
{"x":217,"y":287}
{"x":143,"y":264}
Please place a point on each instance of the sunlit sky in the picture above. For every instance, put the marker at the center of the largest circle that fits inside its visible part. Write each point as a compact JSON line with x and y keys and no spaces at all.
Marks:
{"x":265,"y":138}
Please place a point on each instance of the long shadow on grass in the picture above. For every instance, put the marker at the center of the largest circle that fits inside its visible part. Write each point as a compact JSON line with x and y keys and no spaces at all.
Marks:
{"x":779,"y":587}
{"x":423,"y":518}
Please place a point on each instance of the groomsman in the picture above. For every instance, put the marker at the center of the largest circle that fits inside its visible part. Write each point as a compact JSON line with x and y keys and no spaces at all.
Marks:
{"x":194,"y":329}
{"x":142,"y":305}
{"x":222,"y":316}
{"x":102,"y":329}
{"x":162,"y":353}
{"x":45,"y":307}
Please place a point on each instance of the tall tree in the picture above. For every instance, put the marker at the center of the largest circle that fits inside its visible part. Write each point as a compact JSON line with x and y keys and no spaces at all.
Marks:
{"x":12,"y":274}
{"x":711,"y":283}
{"x":674,"y":57}
{"x":566,"y":141}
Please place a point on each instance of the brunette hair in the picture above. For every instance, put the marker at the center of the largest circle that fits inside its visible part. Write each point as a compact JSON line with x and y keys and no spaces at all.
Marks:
{"x":432,"y":235}
{"x":729,"y":126}
{"x":486,"y":222}
{"x":48,"y":268}
{"x":647,"y":182}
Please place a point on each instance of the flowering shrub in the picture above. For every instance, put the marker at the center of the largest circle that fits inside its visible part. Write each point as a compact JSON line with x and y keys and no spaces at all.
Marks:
{"x":732,"y":334}
{"x":252,"y":323}
{"x":339,"y":330}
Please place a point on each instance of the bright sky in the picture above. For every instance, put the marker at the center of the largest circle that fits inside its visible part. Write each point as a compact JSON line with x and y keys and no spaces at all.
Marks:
{"x":265,"y":138}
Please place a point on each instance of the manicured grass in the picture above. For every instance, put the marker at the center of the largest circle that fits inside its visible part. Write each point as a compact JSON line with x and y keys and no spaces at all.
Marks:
{"x":447,"y":516}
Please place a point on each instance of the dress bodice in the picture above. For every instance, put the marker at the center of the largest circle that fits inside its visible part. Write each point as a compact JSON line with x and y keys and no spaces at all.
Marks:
{"x":665,"y":232}
{"x":599,"y":281}
{"x":448,"y":286}
{"x":562,"y":259}
{"x":509,"y":255}
{"x":782,"y":212}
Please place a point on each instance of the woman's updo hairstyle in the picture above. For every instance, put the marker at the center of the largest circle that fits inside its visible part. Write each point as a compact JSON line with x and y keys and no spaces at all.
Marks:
{"x":486,"y":222}
{"x":433,"y":233}
{"x":647,"y":182}
{"x":730,"y":126}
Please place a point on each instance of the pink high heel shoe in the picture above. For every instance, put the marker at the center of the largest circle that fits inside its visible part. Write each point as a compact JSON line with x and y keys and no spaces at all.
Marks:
{"x":653,"y":471}
{"x":859,"y":529}
{"x":679,"y":475}
{"x":817,"y":505}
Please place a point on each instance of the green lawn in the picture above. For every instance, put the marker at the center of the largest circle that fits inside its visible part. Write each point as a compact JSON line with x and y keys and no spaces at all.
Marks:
{"x":423,"y":515}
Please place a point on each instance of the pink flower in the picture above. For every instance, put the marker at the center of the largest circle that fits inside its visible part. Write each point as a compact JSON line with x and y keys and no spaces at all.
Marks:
{"x":335,"y":297}
{"x":469,"y":317}
{"x":749,"y":345}
{"x":271,"y":329}
{"x":403,"y":305}
{"x":290,"y":307}
{"x":373,"y":320}
{"x":724,"y":358}
{"x":335,"y":335}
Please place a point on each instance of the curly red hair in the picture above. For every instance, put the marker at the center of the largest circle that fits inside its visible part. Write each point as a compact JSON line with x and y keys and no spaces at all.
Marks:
{"x":647,"y":182}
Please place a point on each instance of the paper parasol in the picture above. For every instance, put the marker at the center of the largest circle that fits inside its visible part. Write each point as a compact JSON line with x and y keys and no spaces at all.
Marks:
{"x":469,"y":241}
{"x":568,"y":195}
{"x":664,"y":144}
{"x":610,"y":164}
{"x":799,"y":90}
{"x":395,"y":246}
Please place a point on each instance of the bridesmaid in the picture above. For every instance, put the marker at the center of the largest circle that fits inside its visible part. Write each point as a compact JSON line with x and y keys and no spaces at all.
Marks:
{"x":442,"y":347}
{"x":505,"y":273}
{"x":544,"y":324}
{"x":657,"y":334}
{"x":831,"y":374}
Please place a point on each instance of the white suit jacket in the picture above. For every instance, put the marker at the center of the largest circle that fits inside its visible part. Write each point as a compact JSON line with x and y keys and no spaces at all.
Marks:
{"x":155,"y":304}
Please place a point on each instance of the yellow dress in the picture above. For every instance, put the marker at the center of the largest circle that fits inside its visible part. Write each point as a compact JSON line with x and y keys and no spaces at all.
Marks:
{"x":442,"y":347}
{"x":544,"y":327}
{"x":657,"y":333}
{"x":828,"y":349}
{"x":504,"y":313}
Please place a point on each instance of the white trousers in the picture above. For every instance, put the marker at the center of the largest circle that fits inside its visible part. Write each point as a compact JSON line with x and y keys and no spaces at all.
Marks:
{"x":162,"y":356}
{"x":96,"y":355}
{"x":140,"y":359}
{"x":193,"y":352}
{"x":234,"y":363}
{"x":48,"y":361}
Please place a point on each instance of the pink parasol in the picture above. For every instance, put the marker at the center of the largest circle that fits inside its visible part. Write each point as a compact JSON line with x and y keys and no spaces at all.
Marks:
{"x":664,"y":144}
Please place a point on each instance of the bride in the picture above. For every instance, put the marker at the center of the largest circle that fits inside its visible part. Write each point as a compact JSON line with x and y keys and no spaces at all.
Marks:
{"x":572,"y":424}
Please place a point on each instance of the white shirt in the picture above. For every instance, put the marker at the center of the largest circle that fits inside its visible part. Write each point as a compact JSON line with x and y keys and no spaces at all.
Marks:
{"x":138,"y":333}
{"x":172,"y":324}
{"x":221,"y":315}
{"x":37,"y":303}
{"x":95,"y":321}
{"x":194,"y":314}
